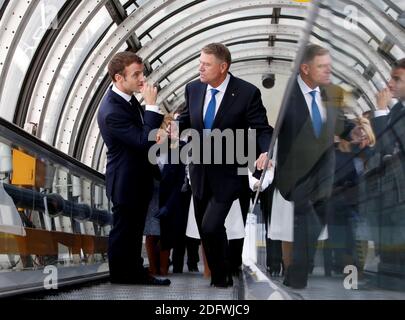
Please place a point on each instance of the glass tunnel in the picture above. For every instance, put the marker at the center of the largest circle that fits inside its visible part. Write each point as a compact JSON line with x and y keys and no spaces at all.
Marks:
{"x":54,"y":211}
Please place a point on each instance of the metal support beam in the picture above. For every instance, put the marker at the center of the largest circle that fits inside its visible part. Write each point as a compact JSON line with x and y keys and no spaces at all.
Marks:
{"x":118,"y":14}
{"x":274,"y":20}
{"x":12,"y":25}
{"x":65,"y":47}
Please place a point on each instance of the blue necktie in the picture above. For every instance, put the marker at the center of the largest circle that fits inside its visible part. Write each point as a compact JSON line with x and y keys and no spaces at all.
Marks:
{"x":210,"y":114}
{"x":316,"y":115}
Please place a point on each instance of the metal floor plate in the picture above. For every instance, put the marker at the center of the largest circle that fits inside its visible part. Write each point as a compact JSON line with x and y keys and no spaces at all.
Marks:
{"x":184,"y":286}
{"x":332,"y":288}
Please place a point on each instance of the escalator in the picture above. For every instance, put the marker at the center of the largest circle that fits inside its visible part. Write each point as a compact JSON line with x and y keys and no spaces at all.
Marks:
{"x":53,"y":246}
{"x":55,"y":217}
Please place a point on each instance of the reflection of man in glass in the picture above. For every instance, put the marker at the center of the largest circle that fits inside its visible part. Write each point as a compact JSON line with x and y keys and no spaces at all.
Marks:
{"x":390,"y":123}
{"x":306,"y":159}
{"x":390,"y":128}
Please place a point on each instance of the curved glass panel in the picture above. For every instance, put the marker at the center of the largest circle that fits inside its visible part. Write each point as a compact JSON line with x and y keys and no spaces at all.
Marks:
{"x":1,"y":3}
{"x":42,"y":19}
{"x":53,"y":214}
{"x":71,"y":66}
{"x":364,"y":210}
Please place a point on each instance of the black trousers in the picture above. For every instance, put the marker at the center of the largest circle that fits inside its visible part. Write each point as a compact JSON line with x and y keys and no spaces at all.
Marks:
{"x":309,"y":218}
{"x":273,"y":247}
{"x":192,"y":246}
{"x":210,"y":217}
{"x":182,"y":242}
{"x":236,"y":245}
{"x":125,"y":242}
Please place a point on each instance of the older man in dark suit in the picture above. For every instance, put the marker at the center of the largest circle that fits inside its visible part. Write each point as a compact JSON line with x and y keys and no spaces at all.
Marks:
{"x":125,"y":126}
{"x":218,"y":100}
{"x":306,"y":159}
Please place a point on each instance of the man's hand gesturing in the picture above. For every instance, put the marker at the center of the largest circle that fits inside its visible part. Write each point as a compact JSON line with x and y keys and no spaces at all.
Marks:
{"x":149,"y":94}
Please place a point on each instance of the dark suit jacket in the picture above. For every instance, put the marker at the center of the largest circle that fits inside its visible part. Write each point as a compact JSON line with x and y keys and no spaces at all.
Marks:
{"x":129,"y":174}
{"x":345,"y":187}
{"x":171,"y":204}
{"x":390,"y":131}
{"x":241,"y":108}
{"x":302,"y":159}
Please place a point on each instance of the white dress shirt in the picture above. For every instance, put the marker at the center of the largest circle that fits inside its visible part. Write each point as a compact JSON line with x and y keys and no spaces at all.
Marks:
{"x":385,"y":112}
{"x":305,"y":89}
{"x":127,"y":97}
{"x":381,"y":113}
{"x":162,"y":160}
{"x":218,"y":97}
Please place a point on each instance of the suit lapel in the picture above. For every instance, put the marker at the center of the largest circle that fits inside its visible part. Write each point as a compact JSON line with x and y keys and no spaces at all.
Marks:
{"x":301,"y":111}
{"x":127,"y":107}
{"x":330,"y":111}
{"x":231,"y":93}
{"x":197,"y":109}
{"x":396,"y":112}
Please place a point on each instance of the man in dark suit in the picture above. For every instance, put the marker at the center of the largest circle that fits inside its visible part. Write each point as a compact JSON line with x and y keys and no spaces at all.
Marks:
{"x":125,"y":127}
{"x":218,"y":100}
{"x":389,"y":124}
{"x":305,"y":158}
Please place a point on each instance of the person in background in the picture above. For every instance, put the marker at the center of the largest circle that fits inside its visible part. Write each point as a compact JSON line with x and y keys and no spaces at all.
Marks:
{"x":172,"y":201}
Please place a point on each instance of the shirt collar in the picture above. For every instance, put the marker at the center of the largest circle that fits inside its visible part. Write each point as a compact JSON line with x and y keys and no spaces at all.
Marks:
{"x":222,"y":87}
{"x":127,"y":97}
{"x":305,"y":88}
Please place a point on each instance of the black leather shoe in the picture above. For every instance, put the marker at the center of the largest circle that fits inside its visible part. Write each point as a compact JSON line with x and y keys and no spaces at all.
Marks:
{"x":274,"y":270}
{"x":223,"y":283}
{"x":286,"y":280}
{"x":192,"y":268}
{"x":177,"y":270}
{"x":298,"y":284}
{"x":296,"y":277}
{"x":236,"y":272}
{"x":311,"y":269}
{"x":151,"y":281}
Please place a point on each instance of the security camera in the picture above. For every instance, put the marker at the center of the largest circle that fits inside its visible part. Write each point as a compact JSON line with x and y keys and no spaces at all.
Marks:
{"x":268,"y":80}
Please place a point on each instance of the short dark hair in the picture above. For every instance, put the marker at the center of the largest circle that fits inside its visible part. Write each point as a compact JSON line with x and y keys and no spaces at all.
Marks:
{"x":312,"y":51}
{"x":399,"y":64}
{"x":220,"y":51}
{"x":120,"y":61}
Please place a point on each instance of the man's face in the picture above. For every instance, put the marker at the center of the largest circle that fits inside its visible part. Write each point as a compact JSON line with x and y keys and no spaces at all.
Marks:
{"x":132,"y":79}
{"x":397,"y":83}
{"x":319,"y":70}
{"x":211,"y":69}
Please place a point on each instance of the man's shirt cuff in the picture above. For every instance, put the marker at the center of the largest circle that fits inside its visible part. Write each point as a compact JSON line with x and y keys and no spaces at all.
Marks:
{"x":381,"y":113}
{"x":153,"y":108}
